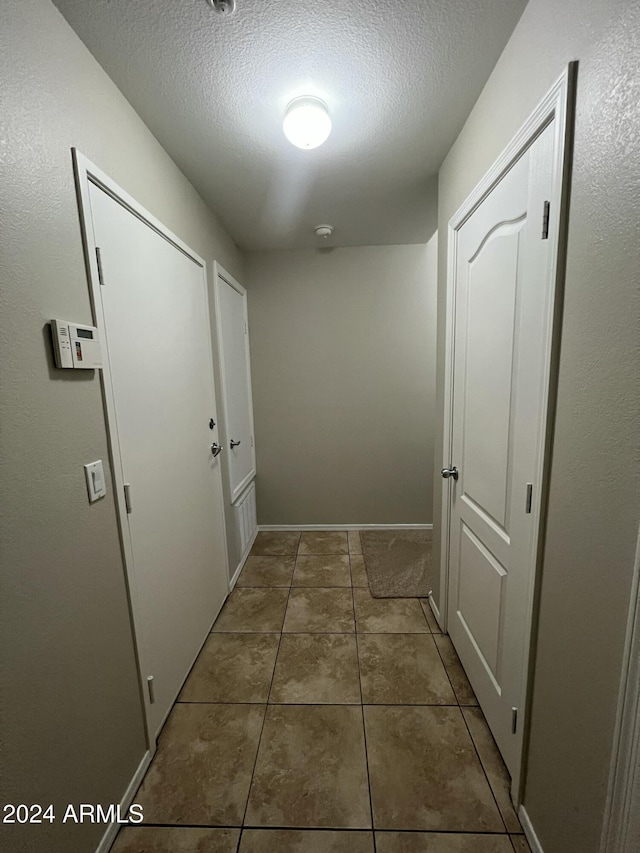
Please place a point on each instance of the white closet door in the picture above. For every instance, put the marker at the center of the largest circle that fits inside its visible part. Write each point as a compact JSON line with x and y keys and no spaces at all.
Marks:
{"x":235,"y":367}
{"x":154,"y":302}
{"x":503,"y":298}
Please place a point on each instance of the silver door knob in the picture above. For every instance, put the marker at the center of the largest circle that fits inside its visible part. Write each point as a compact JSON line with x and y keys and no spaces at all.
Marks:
{"x":233,"y":443}
{"x":216,"y":449}
{"x":450,"y":472}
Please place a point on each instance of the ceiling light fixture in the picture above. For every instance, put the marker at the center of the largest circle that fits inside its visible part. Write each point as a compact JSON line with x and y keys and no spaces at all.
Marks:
{"x":307,"y":123}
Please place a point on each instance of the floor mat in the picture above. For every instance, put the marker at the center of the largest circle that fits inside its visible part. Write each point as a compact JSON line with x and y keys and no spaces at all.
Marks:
{"x":398,"y":562}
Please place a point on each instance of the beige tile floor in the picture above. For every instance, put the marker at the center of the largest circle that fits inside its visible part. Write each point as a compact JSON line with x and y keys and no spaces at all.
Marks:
{"x":320,"y":720}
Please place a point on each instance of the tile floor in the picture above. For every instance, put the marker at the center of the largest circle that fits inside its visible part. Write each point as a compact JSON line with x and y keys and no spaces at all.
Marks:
{"x":320,"y":720}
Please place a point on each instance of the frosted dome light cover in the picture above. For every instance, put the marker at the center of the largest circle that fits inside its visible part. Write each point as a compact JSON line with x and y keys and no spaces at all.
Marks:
{"x":307,"y":123}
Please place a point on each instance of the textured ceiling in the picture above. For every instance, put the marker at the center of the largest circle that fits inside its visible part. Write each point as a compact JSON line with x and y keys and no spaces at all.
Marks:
{"x":399,"y":77}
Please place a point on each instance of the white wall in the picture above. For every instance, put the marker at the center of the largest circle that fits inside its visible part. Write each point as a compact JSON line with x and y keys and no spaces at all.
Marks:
{"x":594,"y":502}
{"x":342,"y":354}
{"x":72,"y":719}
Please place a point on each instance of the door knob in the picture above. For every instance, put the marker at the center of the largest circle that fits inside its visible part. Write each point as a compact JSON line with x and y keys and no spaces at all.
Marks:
{"x":216,"y":449}
{"x":450,"y":472}
{"x":233,"y":443}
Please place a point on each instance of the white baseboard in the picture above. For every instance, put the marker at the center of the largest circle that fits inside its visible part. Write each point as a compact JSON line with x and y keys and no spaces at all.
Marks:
{"x":236,"y":575}
{"x":250,"y":546}
{"x":529,"y":831}
{"x":436,"y":612}
{"x":112,"y":830}
{"x":328,"y":527}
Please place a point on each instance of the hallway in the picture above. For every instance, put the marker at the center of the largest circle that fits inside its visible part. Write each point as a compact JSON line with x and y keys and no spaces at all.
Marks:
{"x":316,"y":713}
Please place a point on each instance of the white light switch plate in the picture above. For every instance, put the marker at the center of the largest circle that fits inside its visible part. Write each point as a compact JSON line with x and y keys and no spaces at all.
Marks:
{"x":96,"y":485}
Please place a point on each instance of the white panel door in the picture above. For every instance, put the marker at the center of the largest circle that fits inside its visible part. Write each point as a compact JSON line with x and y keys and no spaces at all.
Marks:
{"x":233,"y":327}
{"x":154,"y":302}
{"x":502,"y":314}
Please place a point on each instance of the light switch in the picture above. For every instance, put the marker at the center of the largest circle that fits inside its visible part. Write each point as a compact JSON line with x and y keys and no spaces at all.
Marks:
{"x":96,"y":486}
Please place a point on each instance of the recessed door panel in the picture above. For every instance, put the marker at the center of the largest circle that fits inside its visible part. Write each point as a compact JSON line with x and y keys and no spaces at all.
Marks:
{"x":480,"y":599}
{"x":490,"y":330}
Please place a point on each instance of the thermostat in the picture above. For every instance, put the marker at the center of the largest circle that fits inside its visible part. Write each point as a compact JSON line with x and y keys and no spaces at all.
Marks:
{"x":75,"y":345}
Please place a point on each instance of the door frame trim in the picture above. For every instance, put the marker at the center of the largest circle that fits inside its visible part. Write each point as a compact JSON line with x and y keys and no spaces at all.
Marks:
{"x":558,"y":106}
{"x":622,"y":810}
{"x":86,"y":173}
{"x":219,"y":272}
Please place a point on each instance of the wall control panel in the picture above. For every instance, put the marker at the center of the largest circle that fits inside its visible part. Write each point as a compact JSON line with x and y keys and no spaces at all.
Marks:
{"x":75,"y":345}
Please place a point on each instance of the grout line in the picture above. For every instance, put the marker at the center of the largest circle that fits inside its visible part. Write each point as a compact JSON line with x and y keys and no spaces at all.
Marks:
{"x":262,"y":633}
{"x":425,"y":616}
{"x":446,"y":669}
{"x":330,"y":555}
{"x":364,"y":730}
{"x":366,"y":633}
{"x":354,"y":553}
{"x":255,"y":555}
{"x":264,"y":828}
{"x":295,"y":586}
{"x":461,"y":706}
{"x":266,"y":711}
{"x":177,"y":699}
{"x":337,"y":704}
{"x":295,"y":569}
{"x":486,"y":776}
{"x":377,"y":633}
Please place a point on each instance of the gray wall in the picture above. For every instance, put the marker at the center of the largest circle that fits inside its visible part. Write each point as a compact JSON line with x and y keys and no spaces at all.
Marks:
{"x":342,"y":355}
{"x":72,"y":720}
{"x":595,"y":474}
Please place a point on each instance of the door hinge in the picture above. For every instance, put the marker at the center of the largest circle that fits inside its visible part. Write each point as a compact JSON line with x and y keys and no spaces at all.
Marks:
{"x":150,"y":688}
{"x":100,"y":269}
{"x":251,"y":441}
{"x":514,"y":720}
{"x":545,"y":220}
{"x":127,"y":497}
{"x":246,"y":330}
{"x":529,"y":498}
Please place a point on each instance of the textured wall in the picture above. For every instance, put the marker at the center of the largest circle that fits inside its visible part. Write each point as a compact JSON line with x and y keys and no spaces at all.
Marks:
{"x":72,"y":721}
{"x":342,"y":354}
{"x":595,"y":475}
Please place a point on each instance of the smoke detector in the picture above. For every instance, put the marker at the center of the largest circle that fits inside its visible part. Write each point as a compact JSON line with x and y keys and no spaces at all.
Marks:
{"x":223,"y":7}
{"x":323,"y":231}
